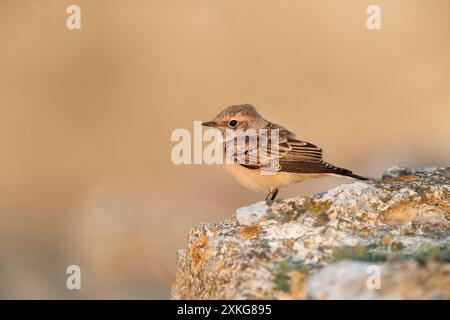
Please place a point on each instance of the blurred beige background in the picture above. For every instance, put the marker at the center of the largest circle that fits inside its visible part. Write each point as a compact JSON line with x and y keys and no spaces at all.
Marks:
{"x":86,"y":117}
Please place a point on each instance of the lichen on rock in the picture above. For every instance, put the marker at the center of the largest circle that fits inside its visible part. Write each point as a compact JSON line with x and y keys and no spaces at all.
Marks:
{"x":315,"y":247}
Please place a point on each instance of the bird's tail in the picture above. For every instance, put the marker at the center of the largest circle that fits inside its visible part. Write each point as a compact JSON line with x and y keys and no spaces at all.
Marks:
{"x":343,"y":172}
{"x":355,"y":176}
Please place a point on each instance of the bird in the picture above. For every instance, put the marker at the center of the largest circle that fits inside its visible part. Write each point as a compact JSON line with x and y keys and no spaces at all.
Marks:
{"x":296,"y":160}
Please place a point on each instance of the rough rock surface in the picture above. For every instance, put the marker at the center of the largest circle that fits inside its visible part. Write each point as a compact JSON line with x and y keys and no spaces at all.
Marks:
{"x":385,"y":239}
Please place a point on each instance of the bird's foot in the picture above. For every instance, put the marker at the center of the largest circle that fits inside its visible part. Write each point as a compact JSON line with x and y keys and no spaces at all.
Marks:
{"x":272,"y":195}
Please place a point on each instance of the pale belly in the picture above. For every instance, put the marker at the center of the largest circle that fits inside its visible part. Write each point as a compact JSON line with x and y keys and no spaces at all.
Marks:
{"x":254,"y":180}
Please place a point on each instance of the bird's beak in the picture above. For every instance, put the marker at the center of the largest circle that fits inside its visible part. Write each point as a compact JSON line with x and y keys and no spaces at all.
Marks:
{"x":209,"y":124}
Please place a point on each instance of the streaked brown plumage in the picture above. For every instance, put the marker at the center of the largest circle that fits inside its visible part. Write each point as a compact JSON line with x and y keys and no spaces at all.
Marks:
{"x":296,"y":160}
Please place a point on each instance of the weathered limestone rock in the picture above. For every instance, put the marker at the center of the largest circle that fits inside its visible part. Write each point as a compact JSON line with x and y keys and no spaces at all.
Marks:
{"x":399,"y":280}
{"x":325,"y":246}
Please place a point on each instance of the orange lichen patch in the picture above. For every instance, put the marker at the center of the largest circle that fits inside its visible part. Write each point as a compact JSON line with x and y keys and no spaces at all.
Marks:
{"x":297,"y":288}
{"x":400,"y":213}
{"x":197,"y":252}
{"x":404,"y":178}
{"x":445,"y":207}
{"x":309,"y":243}
{"x":289,"y":243}
{"x":213,"y":230}
{"x":387,"y":240}
{"x":249,"y":231}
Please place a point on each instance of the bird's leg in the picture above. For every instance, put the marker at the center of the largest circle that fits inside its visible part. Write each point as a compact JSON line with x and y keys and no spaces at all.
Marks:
{"x":272,"y":194}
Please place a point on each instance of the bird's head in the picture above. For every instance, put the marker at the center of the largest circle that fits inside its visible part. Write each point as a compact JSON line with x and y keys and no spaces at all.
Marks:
{"x":242,"y":116}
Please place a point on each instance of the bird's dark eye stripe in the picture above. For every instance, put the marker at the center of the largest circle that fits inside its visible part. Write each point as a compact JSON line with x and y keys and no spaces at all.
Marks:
{"x":233,"y":123}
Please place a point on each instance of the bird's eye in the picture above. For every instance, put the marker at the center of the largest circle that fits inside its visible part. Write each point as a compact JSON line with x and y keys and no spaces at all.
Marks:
{"x":233,"y":123}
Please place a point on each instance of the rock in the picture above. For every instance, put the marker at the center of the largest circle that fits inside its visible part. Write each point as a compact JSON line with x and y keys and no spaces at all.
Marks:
{"x":251,"y":215}
{"x":327,"y":245}
{"x":398,"y":280}
{"x":397,"y":172}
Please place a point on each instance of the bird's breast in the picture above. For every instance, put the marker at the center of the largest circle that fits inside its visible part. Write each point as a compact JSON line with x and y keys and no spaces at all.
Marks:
{"x":256,"y":180}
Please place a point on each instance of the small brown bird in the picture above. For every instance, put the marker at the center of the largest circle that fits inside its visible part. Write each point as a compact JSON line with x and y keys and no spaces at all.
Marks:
{"x":296,"y":160}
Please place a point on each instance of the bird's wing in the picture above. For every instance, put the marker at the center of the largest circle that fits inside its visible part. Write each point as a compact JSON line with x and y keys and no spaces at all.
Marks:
{"x":296,"y":150}
{"x":286,"y":152}
{"x":304,"y":157}
{"x":292,"y":155}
